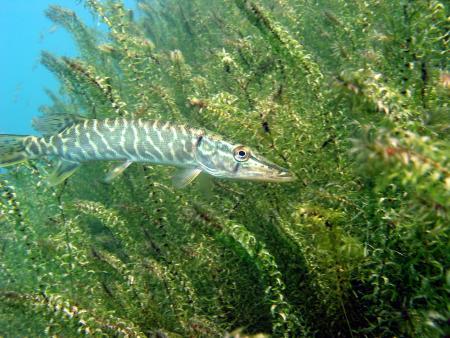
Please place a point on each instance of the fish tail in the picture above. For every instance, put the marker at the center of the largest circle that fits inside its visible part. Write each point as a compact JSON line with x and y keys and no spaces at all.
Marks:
{"x":13,"y":149}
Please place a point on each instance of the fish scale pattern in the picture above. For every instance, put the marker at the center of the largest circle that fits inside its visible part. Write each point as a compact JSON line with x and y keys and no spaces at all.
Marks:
{"x":121,"y":139}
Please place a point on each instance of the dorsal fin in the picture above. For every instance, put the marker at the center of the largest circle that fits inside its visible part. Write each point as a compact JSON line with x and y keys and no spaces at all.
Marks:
{"x":51,"y":124}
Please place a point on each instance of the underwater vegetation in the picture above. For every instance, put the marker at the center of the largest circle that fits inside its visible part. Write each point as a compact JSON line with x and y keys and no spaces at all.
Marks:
{"x":351,"y":96}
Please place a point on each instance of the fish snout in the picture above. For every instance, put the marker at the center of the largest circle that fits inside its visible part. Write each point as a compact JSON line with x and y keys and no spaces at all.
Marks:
{"x":275,"y":173}
{"x":285,"y":175}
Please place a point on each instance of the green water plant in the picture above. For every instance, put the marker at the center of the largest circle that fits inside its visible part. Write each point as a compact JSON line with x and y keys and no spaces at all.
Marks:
{"x":353,"y":97}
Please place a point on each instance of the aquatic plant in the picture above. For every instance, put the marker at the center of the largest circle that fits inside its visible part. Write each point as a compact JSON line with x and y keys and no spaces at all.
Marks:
{"x":352,"y":96}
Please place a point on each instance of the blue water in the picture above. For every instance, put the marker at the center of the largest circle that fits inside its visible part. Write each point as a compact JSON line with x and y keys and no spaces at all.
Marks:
{"x":24,"y":33}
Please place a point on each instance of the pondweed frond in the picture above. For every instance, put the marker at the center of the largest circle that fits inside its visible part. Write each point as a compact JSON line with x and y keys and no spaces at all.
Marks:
{"x":351,"y":96}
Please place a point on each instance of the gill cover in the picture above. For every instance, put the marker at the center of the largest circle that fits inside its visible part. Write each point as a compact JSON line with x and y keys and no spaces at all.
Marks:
{"x":211,"y":155}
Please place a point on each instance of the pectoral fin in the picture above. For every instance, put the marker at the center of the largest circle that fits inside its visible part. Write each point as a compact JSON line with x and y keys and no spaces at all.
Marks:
{"x":117,"y":171}
{"x":185,"y":176}
{"x":63,"y":170}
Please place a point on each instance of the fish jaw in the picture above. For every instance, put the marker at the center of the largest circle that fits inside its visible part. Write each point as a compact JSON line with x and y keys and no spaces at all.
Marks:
{"x":222,"y":159}
{"x":257,"y":168}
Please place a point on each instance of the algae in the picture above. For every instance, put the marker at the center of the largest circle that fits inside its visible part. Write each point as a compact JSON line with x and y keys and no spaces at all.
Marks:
{"x":353,"y":97}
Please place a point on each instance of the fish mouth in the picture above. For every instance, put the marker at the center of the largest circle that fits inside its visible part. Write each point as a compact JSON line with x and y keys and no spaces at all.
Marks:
{"x":280,"y":177}
{"x":273,"y":173}
{"x":270,"y":172}
{"x":285,"y":176}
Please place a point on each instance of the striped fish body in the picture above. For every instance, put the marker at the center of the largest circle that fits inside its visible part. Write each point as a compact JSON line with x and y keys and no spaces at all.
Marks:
{"x":120,"y":139}
{"x":73,"y":140}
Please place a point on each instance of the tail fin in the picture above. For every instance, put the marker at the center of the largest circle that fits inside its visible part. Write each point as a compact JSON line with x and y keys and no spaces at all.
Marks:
{"x":12,"y":150}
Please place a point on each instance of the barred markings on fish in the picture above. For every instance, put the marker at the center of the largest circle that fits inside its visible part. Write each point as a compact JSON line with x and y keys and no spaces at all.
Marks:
{"x":120,"y":139}
{"x":74,"y":140}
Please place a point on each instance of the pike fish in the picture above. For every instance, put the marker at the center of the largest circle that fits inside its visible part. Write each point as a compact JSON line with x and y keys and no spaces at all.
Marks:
{"x":73,"y":140}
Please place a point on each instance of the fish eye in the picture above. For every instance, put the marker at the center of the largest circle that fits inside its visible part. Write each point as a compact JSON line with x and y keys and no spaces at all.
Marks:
{"x":241,"y":153}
